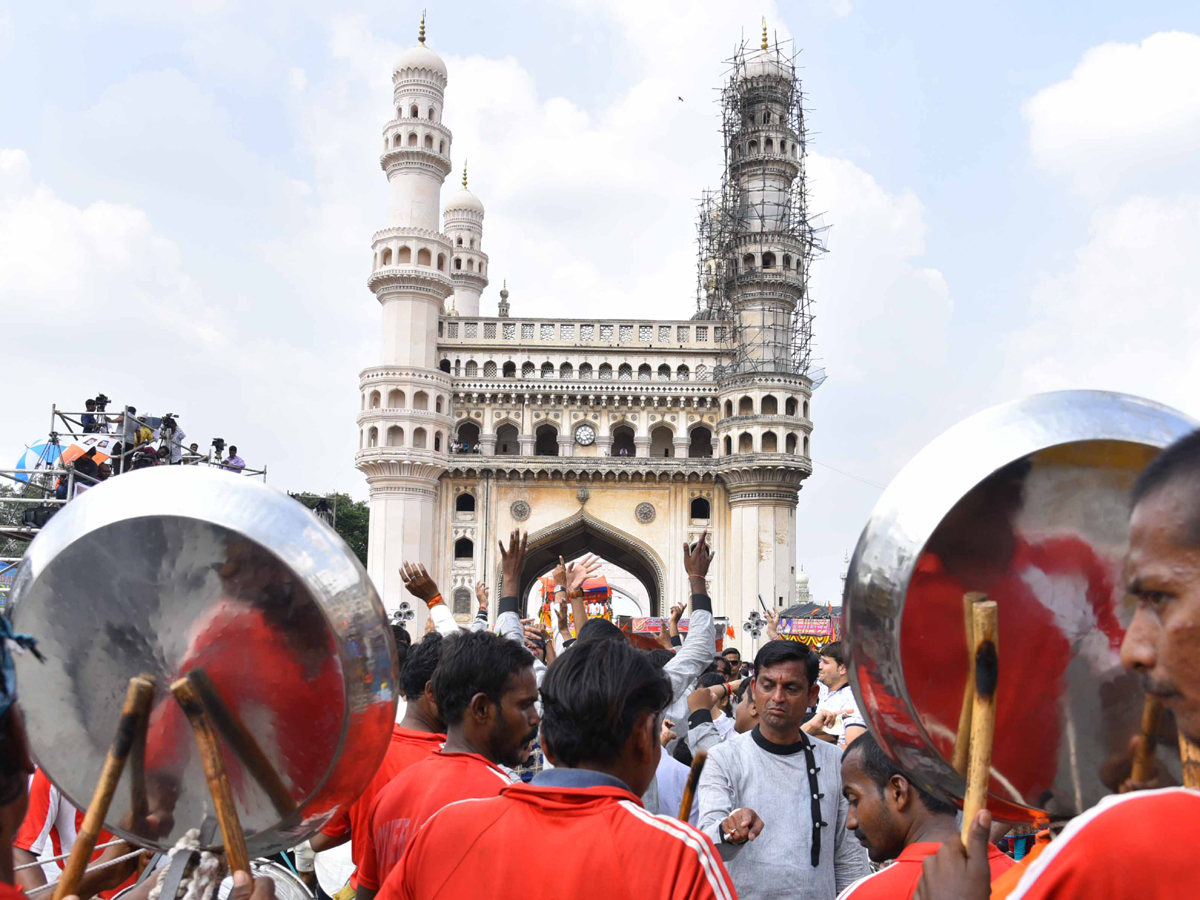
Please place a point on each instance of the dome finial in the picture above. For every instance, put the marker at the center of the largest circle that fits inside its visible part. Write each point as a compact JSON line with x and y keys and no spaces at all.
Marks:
{"x":464,"y":174}
{"x":421,"y":33}
{"x":764,"y":43}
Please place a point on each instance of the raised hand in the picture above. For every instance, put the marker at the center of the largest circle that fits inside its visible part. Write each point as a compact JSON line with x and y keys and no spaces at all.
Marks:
{"x":418,"y":582}
{"x":481,"y":594}
{"x":667,"y":735}
{"x":772,"y":625}
{"x":581,"y":570}
{"x":564,"y":620}
{"x":741,"y":825}
{"x":696,"y":560}
{"x":512,"y":560}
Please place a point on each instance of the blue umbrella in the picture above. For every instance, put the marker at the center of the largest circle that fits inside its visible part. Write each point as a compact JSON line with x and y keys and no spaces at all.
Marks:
{"x":38,"y":456}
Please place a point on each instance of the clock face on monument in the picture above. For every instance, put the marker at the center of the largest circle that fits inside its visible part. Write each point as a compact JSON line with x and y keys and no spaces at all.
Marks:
{"x":585,"y":435}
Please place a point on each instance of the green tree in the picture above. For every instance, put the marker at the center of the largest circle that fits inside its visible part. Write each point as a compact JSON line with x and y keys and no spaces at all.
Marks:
{"x":352,"y":520}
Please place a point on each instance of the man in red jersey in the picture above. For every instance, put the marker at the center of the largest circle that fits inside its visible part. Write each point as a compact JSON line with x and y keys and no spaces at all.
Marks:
{"x":486,"y":694}
{"x":603,"y":704}
{"x":1142,"y":844}
{"x":895,"y":819}
{"x":419,"y":734}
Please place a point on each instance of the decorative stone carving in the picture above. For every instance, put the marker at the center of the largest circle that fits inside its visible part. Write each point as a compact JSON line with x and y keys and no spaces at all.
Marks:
{"x":582,"y":495}
{"x":645,"y":513}
{"x":520,"y":510}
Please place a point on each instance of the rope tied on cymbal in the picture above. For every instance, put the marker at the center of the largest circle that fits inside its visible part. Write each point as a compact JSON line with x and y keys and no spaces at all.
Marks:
{"x":201,"y":877}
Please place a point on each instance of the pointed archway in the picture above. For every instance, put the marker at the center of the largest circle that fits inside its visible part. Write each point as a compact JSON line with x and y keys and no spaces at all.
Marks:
{"x":580,"y":534}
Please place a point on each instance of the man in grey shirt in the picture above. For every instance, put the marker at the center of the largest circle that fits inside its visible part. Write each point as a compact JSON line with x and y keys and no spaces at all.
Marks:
{"x":771,"y":799}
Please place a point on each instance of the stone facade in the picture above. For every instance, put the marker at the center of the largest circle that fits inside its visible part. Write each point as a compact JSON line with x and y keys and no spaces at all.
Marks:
{"x":625,"y":438}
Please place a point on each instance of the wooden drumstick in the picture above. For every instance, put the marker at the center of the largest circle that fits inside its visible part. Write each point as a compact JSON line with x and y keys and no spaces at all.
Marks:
{"x":693,"y":780}
{"x":962,"y":742}
{"x":137,"y":706}
{"x":986,"y":663}
{"x":214,"y":771}
{"x":1143,"y":755}
{"x":242,"y":742}
{"x":1189,"y":752}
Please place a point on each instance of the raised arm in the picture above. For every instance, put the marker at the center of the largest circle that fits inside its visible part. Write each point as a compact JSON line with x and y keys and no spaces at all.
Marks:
{"x":481,"y":617}
{"x":574,"y":576}
{"x":701,"y":644}
{"x":421,"y":586}
{"x":512,"y":565}
{"x":673,"y":624}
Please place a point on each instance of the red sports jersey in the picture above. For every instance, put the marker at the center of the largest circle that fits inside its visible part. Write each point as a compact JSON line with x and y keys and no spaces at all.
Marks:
{"x":412,"y":797}
{"x":407,"y":747}
{"x":51,"y":819}
{"x":899,"y":880}
{"x":1054,"y":594}
{"x":602,"y":843}
{"x":1127,"y":846}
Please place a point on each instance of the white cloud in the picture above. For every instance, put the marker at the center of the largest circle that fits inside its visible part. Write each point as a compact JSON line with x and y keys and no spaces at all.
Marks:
{"x":1127,"y":118}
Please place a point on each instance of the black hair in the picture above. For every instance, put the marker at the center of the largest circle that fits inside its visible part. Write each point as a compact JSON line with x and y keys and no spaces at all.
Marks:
{"x":593,"y":696}
{"x":475,"y":662}
{"x":1178,"y":465}
{"x":402,"y":641}
{"x":711,"y":679}
{"x":834,"y":651}
{"x":600,"y":630}
{"x":659,"y":656}
{"x":879,"y":768}
{"x":780,"y":651}
{"x":729,"y":650}
{"x":742,"y":688}
{"x":419,"y":664}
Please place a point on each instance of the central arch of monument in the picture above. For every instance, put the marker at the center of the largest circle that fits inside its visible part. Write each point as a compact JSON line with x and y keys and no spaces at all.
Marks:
{"x":580,"y":534}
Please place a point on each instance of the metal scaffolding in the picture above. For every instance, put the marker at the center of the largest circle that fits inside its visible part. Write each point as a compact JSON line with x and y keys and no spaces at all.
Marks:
{"x":762,"y":202}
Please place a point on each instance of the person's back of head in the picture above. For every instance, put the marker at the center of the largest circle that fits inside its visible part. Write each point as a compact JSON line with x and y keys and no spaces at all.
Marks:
{"x":416,"y":673}
{"x":601,"y":707}
{"x":886,"y":808}
{"x":401,"y":639}
{"x":485,"y":691}
{"x":659,"y":656}
{"x":601,"y":630}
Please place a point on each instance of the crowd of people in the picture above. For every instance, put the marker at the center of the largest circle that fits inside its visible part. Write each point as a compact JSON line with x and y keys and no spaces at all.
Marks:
{"x":535,"y":762}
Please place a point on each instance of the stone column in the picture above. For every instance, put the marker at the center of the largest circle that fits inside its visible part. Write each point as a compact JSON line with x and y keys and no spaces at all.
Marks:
{"x":566,"y":445}
{"x":682,"y":445}
{"x":487,"y":445}
{"x":641,"y":446}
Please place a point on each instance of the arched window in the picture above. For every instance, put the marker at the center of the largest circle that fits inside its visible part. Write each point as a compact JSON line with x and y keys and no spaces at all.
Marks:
{"x":700,"y":508}
{"x":625,"y":372}
{"x":457,"y":264}
{"x":375,"y":399}
{"x":373,"y":437}
{"x":787,"y":260}
{"x":664,"y":372}
{"x":424,"y":257}
{"x":395,"y":436}
{"x":458,"y":241}
{"x":431,"y":114}
{"x":769,"y":146}
{"x":437,"y":404}
{"x":644,"y":372}
{"x":605,"y":372}
{"x":766,"y":117}
{"x":701,"y":372}
{"x":700,"y":445}
{"x":464,"y":548}
{"x":748,"y":261}
{"x":682,"y":373}
{"x":457,"y":362}
{"x":507,"y":441}
{"x":510,"y":369}
{"x":752,"y":147}
{"x":546,"y":441}
{"x":395,"y":399}
{"x":622,"y":444}
{"x":444,"y":365}
{"x":441,"y":262}
{"x":470,"y":265}
{"x":464,"y":502}
{"x":472,"y":368}
{"x":468,"y":441}
{"x":770,"y":443}
{"x":662,"y":442}
{"x":413,"y":111}
{"x":442,"y":147}
{"x":405,"y":256}
{"x":385,"y":258}
{"x":412,"y":139}
{"x":806,"y":410}
{"x":745,"y":442}
{"x":745,"y":407}
{"x":768,"y":260}
{"x":789,"y":407}
{"x":585,"y":372}
{"x":769,"y":406}
{"x":420,"y":400}
{"x":547,"y":370}
{"x":728,"y":445}
{"x":789,"y":444}
{"x":528,"y":370}
{"x":728,"y":408}
{"x":472,"y":243}
{"x":783,"y":146}
{"x":489,"y":369}
{"x":418,"y":441}
{"x":429,"y":142}
{"x":566,"y":371}
{"x":462,"y":601}
{"x":395,"y":140}
{"x":437,"y":442}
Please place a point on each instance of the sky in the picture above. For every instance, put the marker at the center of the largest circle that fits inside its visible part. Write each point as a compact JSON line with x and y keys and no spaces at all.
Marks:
{"x":188,"y":192}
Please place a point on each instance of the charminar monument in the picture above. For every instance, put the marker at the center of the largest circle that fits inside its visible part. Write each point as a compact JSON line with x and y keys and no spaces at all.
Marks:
{"x":621,"y":437}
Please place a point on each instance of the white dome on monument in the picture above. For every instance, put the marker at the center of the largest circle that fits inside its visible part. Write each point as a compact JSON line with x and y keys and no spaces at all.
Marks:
{"x":463,"y":200}
{"x":419,"y":57}
{"x":767,"y":63}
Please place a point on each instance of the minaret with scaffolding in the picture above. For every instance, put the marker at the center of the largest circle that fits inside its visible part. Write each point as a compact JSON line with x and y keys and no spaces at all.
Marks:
{"x":756,"y":245}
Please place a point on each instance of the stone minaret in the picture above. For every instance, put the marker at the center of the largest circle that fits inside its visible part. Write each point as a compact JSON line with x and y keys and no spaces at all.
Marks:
{"x":404,"y":421}
{"x":464,"y":227}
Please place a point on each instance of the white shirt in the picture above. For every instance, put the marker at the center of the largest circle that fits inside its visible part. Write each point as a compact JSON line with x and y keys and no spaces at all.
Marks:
{"x":839,"y":700}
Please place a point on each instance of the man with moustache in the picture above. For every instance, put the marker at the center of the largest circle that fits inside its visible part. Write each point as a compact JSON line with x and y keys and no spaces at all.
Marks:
{"x":486,"y":695}
{"x":1141,"y":844}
